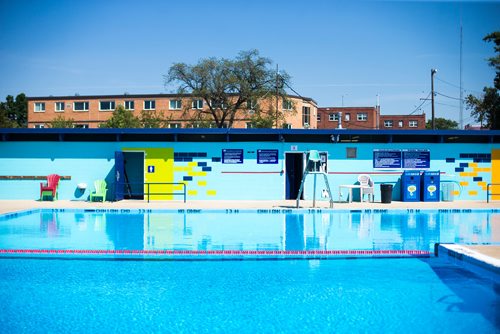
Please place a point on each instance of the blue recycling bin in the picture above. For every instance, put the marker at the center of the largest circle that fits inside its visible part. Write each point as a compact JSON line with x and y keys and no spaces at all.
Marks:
{"x":410,"y":186}
{"x":430,"y":186}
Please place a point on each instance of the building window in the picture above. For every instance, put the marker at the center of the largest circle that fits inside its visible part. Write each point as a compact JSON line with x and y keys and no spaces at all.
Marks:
{"x":197,"y":104}
{"x":106,"y":105}
{"x":129,"y":105}
{"x":347,"y":117}
{"x":306,"y":116}
{"x":149,"y":105}
{"x":318,"y":117}
{"x":400,"y":124}
{"x":362,"y":116}
{"x":81,"y":126}
{"x":81,"y":106}
{"x":40,"y":107}
{"x":59,"y":106}
{"x":249,"y":125}
{"x":175,"y":104}
{"x":174,"y":125}
{"x":39,"y":126}
{"x":413,"y":124}
{"x":333,"y":117}
{"x":217,"y":104}
{"x":287,"y":126}
{"x":388,"y":123}
{"x":287,"y":104}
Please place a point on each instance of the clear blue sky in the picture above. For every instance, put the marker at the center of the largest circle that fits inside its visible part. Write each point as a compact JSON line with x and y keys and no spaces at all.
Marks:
{"x":335,"y":51}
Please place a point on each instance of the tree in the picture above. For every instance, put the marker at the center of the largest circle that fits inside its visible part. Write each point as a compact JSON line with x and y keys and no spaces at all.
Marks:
{"x":14,"y":112}
{"x":486,"y":109}
{"x":152,"y":119}
{"x":442,"y":124}
{"x":227,"y":85}
{"x":122,"y":118}
{"x":60,"y":122}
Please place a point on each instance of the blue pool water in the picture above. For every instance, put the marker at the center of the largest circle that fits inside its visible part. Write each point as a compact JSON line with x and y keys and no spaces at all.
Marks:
{"x":284,"y":296}
{"x":411,"y":295}
{"x":252,"y":230}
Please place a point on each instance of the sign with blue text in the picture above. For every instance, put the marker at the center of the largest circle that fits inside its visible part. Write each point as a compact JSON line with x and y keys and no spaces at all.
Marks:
{"x":151,"y":169}
{"x":418,"y":159}
{"x":267,"y":156}
{"x":232,"y":156}
{"x":386,"y":159}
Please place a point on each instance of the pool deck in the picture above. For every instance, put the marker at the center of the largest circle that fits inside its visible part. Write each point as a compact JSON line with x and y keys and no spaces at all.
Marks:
{"x":488,"y":253}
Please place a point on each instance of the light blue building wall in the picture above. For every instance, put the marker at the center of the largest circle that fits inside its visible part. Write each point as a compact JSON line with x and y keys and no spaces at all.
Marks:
{"x":211,"y":173}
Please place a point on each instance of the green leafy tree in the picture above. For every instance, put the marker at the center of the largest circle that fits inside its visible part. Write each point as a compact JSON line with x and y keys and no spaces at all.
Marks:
{"x":152,"y":119}
{"x":14,"y":112}
{"x":226,"y":85}
{"x":122,"y":118}
{"x":61,"y":122}
{"x":486,"y":108}
{"x":442,"y":124}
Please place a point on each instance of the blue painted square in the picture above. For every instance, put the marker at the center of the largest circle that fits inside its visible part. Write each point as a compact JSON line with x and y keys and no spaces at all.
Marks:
{"x":464,"y":164}
{"x":450,"y":159}
{"x":459,"y":169}
{"x":477,"y":179}
{"x":207,"y":169}
{"x":187,"y":178}
{"x":216,"y":159}
{"x":202,"y":164}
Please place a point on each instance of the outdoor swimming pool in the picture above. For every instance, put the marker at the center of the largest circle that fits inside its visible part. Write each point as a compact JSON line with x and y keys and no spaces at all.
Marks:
{"x":51,"y":292}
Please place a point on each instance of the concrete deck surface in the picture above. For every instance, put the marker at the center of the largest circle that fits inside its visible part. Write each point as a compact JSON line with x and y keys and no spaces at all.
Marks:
{"x":493,"y":251}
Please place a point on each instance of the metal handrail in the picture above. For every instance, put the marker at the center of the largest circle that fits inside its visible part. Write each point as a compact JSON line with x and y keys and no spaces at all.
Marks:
{"x":488,"y":194}
{"x":148,"y":193}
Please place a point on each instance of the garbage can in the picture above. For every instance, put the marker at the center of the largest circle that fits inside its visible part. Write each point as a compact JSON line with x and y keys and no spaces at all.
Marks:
{"x":430,"y":186}
{"x":410,"y":186}
{"x":386,"y":193}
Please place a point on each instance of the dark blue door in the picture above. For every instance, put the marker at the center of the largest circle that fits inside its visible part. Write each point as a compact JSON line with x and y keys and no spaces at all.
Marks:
{"x":119,"y":176}
{"x":294,"y":170}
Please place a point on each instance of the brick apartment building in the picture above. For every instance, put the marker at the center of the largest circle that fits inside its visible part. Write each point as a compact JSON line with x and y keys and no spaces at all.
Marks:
{"x":179,"y":110}
{"x":366,"y":118}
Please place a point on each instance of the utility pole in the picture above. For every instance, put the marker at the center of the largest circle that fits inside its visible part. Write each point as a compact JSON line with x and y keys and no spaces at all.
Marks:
{"x":277,"y":93}
{"x":433,"y":71}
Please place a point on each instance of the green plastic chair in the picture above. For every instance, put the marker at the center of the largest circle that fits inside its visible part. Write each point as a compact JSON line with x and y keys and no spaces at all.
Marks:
{"x":100,"y":190}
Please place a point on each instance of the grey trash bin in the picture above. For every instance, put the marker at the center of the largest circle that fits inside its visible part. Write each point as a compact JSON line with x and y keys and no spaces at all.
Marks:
{"x":386,"y":193}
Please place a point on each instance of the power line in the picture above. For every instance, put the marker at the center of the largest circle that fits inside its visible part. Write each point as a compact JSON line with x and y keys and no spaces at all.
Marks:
{"x":450,"y":97}
{"x":449,"y":105}
{"x":421,"y":104}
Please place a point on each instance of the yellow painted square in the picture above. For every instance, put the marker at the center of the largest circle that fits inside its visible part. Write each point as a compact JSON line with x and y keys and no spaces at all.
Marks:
{"x":464,"y":183}
{"x":472,"y":164}
{"x":202,"y":183}
{"x":192,"y":192}
{"x":192,"y":164}
{"x":211,"y":192}
{"x":182,"y":169}
{"x":197,"y":173}
{"x":472,"y":192}
{"x":482,"y":184}
{"x":178,"y":187}
{"x":455,"y":192}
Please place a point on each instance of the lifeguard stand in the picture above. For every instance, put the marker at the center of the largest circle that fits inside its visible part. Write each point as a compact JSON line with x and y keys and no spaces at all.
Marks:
{"x":314,"y":166}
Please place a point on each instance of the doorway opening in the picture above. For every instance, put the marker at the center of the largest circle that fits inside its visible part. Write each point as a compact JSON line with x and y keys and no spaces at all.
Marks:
{"x":134,"y":175}
{"x":294,"y":164}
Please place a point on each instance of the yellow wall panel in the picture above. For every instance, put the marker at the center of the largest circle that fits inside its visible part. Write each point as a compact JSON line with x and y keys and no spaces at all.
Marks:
{"x":472,"y":164}
{"x":202,"y":183}
{"x":464,"y":183}
{"x":163,"y":161}
{"x":472,"y":192}
{"x":211,"y":192}
{"x":495,"y":173}
{"x":192,"y":164}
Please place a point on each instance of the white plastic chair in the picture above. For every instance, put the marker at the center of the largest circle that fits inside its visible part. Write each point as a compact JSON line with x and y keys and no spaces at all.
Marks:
{"x":366,"y":181}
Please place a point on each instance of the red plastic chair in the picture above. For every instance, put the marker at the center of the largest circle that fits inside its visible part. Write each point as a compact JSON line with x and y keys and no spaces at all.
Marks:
{"x":50,"y":186}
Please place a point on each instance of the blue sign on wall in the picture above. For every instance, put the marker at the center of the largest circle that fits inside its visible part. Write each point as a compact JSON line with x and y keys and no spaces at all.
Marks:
{"x":418,"y":159}
{"x":232,"y":156}
{"x":386,"y":159}
{"x":151,"y":169}
{"x":267,"y":156}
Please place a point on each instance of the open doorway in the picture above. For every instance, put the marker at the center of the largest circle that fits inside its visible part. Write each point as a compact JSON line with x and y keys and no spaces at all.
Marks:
{"x":134,"y":175}
{"x":294,"y":164}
